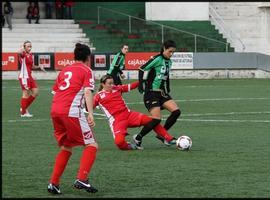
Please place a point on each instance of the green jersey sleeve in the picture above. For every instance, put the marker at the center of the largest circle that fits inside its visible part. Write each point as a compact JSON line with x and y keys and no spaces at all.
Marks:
{"x":150,"y":63}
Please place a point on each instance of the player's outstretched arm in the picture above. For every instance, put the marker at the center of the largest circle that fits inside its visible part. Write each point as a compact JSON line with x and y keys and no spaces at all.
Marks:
{"x":129,"y":87}
{"x":89,"y":104}
{"x":140,"y":77}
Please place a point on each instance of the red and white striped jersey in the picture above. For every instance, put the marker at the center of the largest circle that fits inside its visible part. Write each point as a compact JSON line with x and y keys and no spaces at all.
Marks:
{"x":111,"y":102}
{"x":26,"y":63}
{"x":69,"y":88}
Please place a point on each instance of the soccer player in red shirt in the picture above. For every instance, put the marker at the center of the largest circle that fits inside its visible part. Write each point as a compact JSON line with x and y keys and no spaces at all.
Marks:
{"x":72,"y":91}
{"x":28,"y":84}
{"x":109,"y":99}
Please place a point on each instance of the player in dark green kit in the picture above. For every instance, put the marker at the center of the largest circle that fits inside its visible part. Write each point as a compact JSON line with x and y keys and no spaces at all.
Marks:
{"x":156,"y":89}
{"x":118,"y":64}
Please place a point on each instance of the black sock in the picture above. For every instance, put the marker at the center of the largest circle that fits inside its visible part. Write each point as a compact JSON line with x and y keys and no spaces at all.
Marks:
{"x":147,"y":128}
{"x":172,"y":119}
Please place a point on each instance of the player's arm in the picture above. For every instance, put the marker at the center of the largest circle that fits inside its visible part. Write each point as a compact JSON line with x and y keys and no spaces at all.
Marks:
{"x":21,"y":51}
{"x":146,"y":67}
{"x":122,"y":67}
{"x":122,"y":75}
{"x":168,"y":84}
{"x":55,"y":87}
{"x":38,"y":67}
{"x":89,"y":87}
{"x":128,"y":87}
{"x":89,"y":105}
{"x":117,"y":61}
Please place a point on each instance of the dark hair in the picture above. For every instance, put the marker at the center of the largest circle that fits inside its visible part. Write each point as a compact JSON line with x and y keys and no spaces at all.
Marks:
{"x":167,"y":44}
{"x":81,"y":52}
{"x":103,"y":80}
{"x":124,"y":45}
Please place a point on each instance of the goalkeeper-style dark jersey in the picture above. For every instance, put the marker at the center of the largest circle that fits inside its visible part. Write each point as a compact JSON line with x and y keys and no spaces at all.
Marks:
{"x":158,"y":75}
{"x":117,"y":64}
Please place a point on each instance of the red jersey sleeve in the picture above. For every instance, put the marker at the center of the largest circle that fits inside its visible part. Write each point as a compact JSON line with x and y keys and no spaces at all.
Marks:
{"x":89,"y":81}
{"x":128,"y":87}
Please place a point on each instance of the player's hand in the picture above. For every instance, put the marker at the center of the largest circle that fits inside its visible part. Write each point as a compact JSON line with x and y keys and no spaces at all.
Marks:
{"x":122,"y":76}
{"x":42,"y":68}
{"x":21,"y":49}
{"x":140,"y":87}
{"x":90,"y":120}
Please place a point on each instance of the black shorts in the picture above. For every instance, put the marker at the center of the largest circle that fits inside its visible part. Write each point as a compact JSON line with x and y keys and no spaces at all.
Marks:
{"x":155,"y":99}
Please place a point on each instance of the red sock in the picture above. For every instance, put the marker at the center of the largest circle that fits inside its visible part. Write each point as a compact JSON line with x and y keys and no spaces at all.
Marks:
{"x":161,"y":131}
{"x":30,"y":100}
{"x":24,"y":102}
{"x":86,"y":163}
{"x":61,"y":161}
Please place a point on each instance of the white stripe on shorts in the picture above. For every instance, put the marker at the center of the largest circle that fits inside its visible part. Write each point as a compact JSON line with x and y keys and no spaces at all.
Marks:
{"x":87,"y":133}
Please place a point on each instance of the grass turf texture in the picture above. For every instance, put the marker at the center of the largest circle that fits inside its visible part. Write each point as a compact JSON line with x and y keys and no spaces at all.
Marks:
{"x":228,"y":121}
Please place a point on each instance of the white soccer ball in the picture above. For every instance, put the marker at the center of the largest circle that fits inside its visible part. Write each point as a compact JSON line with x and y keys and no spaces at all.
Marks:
{"x":184,"y":143}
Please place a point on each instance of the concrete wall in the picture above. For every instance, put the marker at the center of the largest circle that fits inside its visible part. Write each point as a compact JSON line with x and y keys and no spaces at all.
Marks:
{"x":231,"y":61}
{"x":187,"y":11}
{"x":249,"y":21}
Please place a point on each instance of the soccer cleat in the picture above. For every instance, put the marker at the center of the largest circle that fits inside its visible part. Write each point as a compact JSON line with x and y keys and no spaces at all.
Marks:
{"x":137,"y":142}
{"x":84,"y":185}
{"x":160,"y":138}
{"x":54,"y":189}
{"x":27,"y":115}
{"x":132,"y":146}
{"x":169,"y":143}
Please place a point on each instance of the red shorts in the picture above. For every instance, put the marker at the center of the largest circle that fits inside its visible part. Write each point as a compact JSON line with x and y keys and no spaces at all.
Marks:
{"x":120,"y":123}
{"x":28,"y":83}
{"x":71,"y":131}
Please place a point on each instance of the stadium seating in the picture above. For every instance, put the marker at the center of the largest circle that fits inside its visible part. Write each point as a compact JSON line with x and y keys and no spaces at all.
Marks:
{"x":51,"y":35}
{"x":114,"y":29}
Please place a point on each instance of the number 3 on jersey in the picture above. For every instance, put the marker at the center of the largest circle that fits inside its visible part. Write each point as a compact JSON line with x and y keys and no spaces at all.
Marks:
{"x":69,"y":75}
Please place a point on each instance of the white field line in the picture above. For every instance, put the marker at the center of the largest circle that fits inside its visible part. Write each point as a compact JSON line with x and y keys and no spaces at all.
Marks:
{"x":103,"y":117}
{"x":176,"y":100}
{"x":228,"y":113}
{"x":214,"y":99}
{"x":190,"y":120}
{"x":18,"y":88}
{"x":224,"y":120}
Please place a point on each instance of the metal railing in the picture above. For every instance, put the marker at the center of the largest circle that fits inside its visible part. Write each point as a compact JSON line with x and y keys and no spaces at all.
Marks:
{"x":228,"y":33}
{"x":162,"y":26}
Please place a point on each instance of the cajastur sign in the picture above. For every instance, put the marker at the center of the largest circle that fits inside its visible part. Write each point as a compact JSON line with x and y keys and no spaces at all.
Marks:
{"x":61,"y":60}
{"x":9,"y":61}
{"x":133,"y":60}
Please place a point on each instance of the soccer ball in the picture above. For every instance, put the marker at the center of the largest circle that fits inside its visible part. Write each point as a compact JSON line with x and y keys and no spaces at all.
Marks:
{"x":184,"y":143}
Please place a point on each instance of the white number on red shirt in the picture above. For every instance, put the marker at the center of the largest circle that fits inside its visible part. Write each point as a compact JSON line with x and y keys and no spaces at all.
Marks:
{"x":69,"y":75}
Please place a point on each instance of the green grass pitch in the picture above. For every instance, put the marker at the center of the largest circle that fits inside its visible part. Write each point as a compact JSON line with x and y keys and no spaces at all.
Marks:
{"x":228,"y":121}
